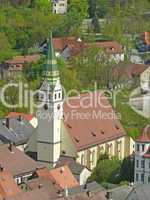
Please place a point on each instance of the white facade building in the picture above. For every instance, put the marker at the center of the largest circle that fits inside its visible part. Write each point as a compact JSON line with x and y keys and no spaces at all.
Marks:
{"x":142,"y":158}
{"x":59,"y":6}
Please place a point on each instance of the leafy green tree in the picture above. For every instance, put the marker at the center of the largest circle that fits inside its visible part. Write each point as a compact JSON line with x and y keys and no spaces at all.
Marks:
{"x":107,"y":170}
{"x":93,"y":65}
{"x":127,"y":169}
{"x":5,"y":48}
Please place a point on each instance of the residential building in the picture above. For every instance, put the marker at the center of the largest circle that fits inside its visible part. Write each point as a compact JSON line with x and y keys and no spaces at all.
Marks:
{"x":142,"y":157}
{"x":80,"y":172}
{"x":59,"y":6}
{"x":30,"y":118}
{"x":67,"y":47}
{"x":17,"y":163}
{"x":112,"y":48}
{"x":14,"y":66}
{"x":145,"y":80}
{"x":16,"y":129}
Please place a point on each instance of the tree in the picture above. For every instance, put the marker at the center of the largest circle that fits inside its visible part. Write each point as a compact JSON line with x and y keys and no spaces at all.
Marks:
{"x":77,"y":12}
{"x":127,"y":170}
{"x":5,"y":48}
{"x":107,"y":170}
{"x":93,"y":65}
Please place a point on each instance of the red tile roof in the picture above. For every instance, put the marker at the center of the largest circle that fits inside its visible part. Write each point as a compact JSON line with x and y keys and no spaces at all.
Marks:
{"x":28,"y":117}
{"x":76,"y":47}
{"x":63,"y":177}
{"x":145,"y":136}
{"x":24,"y":59}
{"x":112,"y":47}
{"x":16,"y":161}
{"x":93,"y":124}
{"x":137,"y":69}
{"x":128,"y":71}
{"x":61,"y":42}
{"x":8,"y":186}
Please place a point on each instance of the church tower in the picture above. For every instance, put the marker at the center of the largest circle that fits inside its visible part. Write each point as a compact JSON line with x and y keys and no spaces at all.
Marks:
{"x":50,"y":112}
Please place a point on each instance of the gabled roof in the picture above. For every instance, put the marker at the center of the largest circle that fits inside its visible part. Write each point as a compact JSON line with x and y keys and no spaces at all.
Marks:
{"x":63,"y":177}
{"x":38,"y":194}
{"x":75,"y":167}
{"x":145,"y":136}
{"x":16,"y":161}
{"x":16,"y":131}
{"x":46,"y":184}
{"x":24,"y":59}
{"x":91,"y":124}
{"x":28,"y":117}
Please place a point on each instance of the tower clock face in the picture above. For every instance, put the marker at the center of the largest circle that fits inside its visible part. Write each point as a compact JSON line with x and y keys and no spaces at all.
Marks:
{"x":58,"y":107}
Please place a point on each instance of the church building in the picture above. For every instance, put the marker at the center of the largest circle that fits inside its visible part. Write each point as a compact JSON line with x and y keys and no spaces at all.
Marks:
{"x":82,"y":127}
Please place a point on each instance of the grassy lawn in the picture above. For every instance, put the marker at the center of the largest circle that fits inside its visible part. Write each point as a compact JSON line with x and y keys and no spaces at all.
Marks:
{"x":131,"y":121}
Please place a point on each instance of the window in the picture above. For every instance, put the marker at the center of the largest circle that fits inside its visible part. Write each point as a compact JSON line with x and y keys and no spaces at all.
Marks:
{"x":138,"y":147}
{"x":143,"y":147}
{"x":142,"y":178}
{"x":93,"y":157}
{"x":137,"y":163}
{"x":148,"y":179}
{"x":55,"y":96}
{"x":149,"y":165}
{"x":59,"y":95}
{"x":137,"y":177}
{"x":142,"y":163}
{"x":82,"y":159}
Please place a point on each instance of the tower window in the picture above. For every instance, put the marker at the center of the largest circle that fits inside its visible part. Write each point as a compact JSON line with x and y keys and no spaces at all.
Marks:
{"x":143,"y":147}
{"x":59,"y":95}
{"x":55,"y":96}
{"x":137,"y":163}
{"x":45,"y":106}
{"x":137,"y":177}
{"x":138,"y":147}
{"x":142,"y":163}
{"x":58,"y":107}
{"x":142,"y":178}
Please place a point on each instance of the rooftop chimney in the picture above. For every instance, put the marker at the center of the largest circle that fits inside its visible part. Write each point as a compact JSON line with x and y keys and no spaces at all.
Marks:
{"x":11,"y":147}
{"x":62,"y":170}
{"x":7,"y":122}
{"x":19,"y":118}
{"x":108,"y":196}
{"x":88,"y":193}
{"x":1,"y":168}
{"x":66,"y":192}
{"x":40,"y":186}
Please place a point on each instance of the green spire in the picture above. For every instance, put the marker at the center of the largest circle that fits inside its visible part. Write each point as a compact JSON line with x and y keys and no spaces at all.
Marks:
{"x":51,"y":62}
{"x":51,"y":71}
